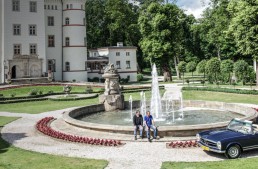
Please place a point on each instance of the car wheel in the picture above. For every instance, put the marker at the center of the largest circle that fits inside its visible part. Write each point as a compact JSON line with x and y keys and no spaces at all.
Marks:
{"x":233,"y":152}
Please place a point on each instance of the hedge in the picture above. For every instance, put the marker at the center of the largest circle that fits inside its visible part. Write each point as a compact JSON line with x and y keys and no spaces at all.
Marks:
{"x":74,"y":98}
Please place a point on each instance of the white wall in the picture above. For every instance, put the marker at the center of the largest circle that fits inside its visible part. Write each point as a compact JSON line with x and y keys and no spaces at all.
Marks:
{"x":124,"y":72}
{"x":25,"y":18}
{"x":54,"y":52}
{"x":76,"y":52}
{"x":78,"y":76}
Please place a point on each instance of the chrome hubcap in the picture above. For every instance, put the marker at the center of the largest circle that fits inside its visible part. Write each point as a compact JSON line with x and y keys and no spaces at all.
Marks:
{"x":233,"y":152}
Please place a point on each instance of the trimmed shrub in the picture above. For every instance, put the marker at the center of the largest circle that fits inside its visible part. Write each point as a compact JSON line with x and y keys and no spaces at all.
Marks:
{"x":139,"y":77}
{"x":225,"y":90}
{"x":40,"y":92}
{"x":33,"y":92}
{"x":12,"y":95}
{"x":88,"y":90}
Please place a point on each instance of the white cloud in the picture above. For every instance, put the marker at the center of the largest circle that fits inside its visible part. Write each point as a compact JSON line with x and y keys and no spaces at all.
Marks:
{"x":194,"y":7}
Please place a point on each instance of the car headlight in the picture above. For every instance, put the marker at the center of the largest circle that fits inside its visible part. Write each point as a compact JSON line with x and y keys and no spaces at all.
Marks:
{"x":198,"y":138}
{"x":219,"y":145}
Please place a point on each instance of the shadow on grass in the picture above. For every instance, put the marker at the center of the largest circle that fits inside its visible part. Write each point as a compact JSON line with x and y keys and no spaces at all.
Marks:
{"x":4,"y":146}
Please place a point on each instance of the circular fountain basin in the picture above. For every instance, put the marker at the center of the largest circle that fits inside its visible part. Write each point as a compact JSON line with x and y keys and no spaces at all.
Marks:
{"x":198,"y":116}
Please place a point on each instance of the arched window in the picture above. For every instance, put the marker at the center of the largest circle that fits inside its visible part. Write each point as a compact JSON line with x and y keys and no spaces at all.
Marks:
{"x":67,"y":41}
{"x":67,"y":21}
{"x":71,"y":6}
{"x":67,"y":6}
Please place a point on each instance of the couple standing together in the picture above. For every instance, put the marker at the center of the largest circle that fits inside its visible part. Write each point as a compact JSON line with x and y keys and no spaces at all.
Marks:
{"x":148,"y":123}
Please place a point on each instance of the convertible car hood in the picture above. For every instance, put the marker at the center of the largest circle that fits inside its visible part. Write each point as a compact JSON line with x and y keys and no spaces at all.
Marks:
{"x":221,"y":135}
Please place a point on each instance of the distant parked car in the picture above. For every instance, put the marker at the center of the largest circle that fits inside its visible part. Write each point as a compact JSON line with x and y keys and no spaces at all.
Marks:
{"x":239,"y":136}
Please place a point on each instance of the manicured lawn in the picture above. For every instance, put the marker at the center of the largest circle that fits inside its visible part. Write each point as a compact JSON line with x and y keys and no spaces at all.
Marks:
{"x":219,"y":96}
{"x":44,"y":106}
{"x":16,"y":158}
{"x":23,"y":91}
{"x":245,"y":163}
{"x":6,"y":120}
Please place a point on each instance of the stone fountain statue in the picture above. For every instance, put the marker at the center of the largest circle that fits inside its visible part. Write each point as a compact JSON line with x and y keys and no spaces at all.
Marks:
{"x":112,"y":98}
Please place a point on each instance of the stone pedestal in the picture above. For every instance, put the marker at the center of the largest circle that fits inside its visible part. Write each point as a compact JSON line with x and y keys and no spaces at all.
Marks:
{"x":112,"y":98}
{"x":112,"y":102}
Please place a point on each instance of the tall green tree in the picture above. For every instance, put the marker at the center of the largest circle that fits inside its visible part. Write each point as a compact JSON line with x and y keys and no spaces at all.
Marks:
{"x":201,"y":67}
{"x":244,"y":27}
{"x":191,"y":67}
{"x":96,"y":24}
{"x":213,"y":69}
{"x":227,"y":67}
{"x":160,"y":26}
{"x":241,"y":69}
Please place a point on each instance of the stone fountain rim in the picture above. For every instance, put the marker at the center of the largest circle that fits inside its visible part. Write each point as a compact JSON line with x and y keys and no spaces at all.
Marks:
{"x":250,"y":114}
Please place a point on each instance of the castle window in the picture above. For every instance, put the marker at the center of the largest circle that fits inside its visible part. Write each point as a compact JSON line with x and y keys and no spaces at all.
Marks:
{"x":118,"y":65}
{"x":55,"y":7}
{"x":127,"y":53}
{"x":67,"y":6}
{"x":16,"y":5}
{"x":16,"y":49}
{"x":128,"y":65}
{"x":33,"y":6}
{"x":117,"y":53}
{"x":33,"y":30}
{"x":52,"y":65}
{"x":50,"y":21}
{"x":67,"y":66}
{"x":33,"y":49}
{"x":51,"y":41}
{"x":67,"y":21}
{"x":16,"y":29}
{"x":48,"y":7}
{"x":71,"y":6}
{"x":67,"y":41}
{"x":45,"y":6}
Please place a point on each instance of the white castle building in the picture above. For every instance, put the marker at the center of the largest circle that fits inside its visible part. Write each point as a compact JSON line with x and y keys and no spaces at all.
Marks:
{"x":38,"y":36}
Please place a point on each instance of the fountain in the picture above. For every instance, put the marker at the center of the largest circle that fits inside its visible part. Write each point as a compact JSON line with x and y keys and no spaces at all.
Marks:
{"x":143,"y":103}
{"x":131,"y":105}
{"x":155,"y":95}
{"x":178,"y":117}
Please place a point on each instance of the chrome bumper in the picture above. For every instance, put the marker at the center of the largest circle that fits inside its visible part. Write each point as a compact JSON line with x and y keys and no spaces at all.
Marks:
{"x":211,"y":148}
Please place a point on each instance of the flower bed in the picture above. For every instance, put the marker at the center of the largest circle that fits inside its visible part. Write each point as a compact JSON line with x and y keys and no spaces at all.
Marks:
{"x":43,"y":126}
{"x":182,"y":144}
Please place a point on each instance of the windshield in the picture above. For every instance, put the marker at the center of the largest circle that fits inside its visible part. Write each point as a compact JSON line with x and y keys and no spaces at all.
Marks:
{"x":240,"y":126}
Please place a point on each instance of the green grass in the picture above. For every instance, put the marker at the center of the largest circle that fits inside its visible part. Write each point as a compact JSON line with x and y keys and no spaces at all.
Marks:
{"x":6,"y":120}
{"x":44,"y":106}
{"x":246,"y":163}
{"x":16,"y":158}
{"x":219,"y":96}
{"x":23,"y":91}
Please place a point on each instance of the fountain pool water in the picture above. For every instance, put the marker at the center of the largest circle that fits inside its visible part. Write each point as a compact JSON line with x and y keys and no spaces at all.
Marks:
{"x":192,"y":116}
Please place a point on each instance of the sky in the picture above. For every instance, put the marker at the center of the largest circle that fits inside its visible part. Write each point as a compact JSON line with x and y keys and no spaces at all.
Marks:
{"x":194,"y":7}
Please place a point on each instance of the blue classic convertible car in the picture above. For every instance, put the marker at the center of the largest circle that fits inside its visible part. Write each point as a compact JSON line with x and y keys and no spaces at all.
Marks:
{"x":239,"y":136}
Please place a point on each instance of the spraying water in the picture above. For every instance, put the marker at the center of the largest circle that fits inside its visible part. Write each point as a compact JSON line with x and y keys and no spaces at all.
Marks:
{"x":143,"y":103}
{"x":131,"y":105}
{"x":155,"y":95}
